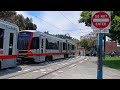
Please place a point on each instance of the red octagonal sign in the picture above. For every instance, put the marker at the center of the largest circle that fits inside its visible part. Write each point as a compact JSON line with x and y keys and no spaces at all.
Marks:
{"x":101,"y":20}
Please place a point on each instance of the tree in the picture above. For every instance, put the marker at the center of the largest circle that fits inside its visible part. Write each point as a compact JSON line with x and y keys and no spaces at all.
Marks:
{"x":23,"y":23}
{"x":115,"y":31}
{"x":47,"y":32}
{"x":88,"y":43}
{"x":84,"y":43}
{"x":86,"y":18}
{"x":29,"y":25}
{"x":19,"y":20}
{"x":7,"y":15}
{"x":115,"y":23}
{"x":66,"y":36}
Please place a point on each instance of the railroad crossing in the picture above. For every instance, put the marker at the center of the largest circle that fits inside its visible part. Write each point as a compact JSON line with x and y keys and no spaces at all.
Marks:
{"x":80,"y":67}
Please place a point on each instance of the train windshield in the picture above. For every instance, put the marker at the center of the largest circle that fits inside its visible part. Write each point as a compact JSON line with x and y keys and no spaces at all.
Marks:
{"x":23,"y":40}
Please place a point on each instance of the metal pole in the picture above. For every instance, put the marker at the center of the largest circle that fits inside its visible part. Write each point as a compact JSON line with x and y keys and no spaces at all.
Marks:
{"x":104,"y":45}
{"x":99,"y":69}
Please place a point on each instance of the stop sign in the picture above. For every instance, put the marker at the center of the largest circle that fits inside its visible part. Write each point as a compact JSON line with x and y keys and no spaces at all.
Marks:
{"x":101,"y":20}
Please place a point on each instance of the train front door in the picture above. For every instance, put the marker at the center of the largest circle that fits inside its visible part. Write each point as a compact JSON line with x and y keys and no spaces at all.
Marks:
{"x":42,"y":47}
{"x":60,"y":49}
{"x":11,"y":43}
{"x":35,"y":48}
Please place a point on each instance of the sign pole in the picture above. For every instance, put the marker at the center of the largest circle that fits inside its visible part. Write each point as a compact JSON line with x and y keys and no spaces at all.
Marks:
{"x":99,"y":69}
{"x":104,"y":45}
{"x":101,"y":20}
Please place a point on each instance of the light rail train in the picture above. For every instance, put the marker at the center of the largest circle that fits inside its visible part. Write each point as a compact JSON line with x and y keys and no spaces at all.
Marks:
{"x":8,"y":44}
{"x":36,"y":46}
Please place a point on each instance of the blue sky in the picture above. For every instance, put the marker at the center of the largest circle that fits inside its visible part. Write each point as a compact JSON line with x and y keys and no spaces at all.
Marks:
{"x":56,"y":23}
{"x":35,"y":13}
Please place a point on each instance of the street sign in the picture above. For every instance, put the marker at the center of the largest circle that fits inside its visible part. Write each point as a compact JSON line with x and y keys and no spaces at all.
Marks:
{"x":101,"y":20}
{"x":101,"y":31}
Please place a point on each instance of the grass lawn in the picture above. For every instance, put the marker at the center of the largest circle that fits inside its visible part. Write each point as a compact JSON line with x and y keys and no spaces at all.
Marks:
{"x":112,"y":62}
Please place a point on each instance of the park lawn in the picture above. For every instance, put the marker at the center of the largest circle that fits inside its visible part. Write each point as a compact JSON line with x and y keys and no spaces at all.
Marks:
{"x":112,"y":62}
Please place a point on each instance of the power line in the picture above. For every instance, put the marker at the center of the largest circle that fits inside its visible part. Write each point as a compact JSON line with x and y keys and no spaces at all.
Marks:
{"x":69,"y":20}
{"x":52,"y":24}
{"x":56,"y":26}
{"x":48,"y":23}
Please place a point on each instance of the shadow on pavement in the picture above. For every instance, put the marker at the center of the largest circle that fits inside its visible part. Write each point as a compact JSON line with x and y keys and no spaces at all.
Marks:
{"x":10,"y":70}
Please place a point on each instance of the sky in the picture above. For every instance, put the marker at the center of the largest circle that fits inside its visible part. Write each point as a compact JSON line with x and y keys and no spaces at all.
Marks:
{"x":58,"y":22}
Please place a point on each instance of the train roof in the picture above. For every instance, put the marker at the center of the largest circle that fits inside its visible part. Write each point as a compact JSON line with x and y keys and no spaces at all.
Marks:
{"x":8,"y":25}
{"x":48,"y":35}
{"x":29,"y":31}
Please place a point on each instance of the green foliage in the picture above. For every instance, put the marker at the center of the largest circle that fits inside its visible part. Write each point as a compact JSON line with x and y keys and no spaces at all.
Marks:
{"x":88,"y":43}
{"x":64,"y":37}
{"x":23,"y":23}
{"x":112,"y":62}
{"x":115,"y":31}
{"x":86,"y":17}
{"x":115,"y":23}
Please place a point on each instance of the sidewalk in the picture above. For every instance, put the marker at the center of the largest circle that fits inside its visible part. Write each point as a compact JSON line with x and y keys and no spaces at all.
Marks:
{"x":88,"y":70}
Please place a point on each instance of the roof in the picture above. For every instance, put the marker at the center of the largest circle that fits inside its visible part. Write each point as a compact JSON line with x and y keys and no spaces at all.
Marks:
{"x":30,"y":30}
{"x":3,"y":23}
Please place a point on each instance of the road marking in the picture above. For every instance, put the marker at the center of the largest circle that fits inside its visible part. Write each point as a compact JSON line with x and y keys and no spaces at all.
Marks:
{"x":26,"y":70}
{"x":35,"y":71}
{"x":63,"y":64}
{"x":85,"y":59}
{"x":49,"y":69}
{"x":72,"y":65}
{"x":42,"y":70}
{"x":66,"y":63}
{"x":60,"y":71}
{"x":54,"y":73}
{"x":59,"y":64}
{"x":81,"y":61}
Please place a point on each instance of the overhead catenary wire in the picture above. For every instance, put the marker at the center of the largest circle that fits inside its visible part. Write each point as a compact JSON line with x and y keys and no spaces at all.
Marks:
{"x":69,"y":20}
{"x":54,"y":25}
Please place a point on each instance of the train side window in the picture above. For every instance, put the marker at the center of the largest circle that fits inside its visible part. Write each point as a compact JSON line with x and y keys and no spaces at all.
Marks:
{"x":1,"y":38}
{"x":51,"y":45}
{"x":57,"y":44}
{"x":73,"y":47}
{"x":35,"y":43}
{"x":68,"y":47}
{"x":64,"y":46}
{"x":47,"y":46}
{"x":42,"y":44}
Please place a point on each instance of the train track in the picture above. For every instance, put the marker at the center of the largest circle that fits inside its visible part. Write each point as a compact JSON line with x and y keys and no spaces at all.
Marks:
{"x":57,"y":70}
{"x":52,"y":63}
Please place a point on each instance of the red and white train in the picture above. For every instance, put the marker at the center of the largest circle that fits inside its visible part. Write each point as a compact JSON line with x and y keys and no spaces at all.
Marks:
{"x":36,"y":46}
{"x":8,"y":44}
